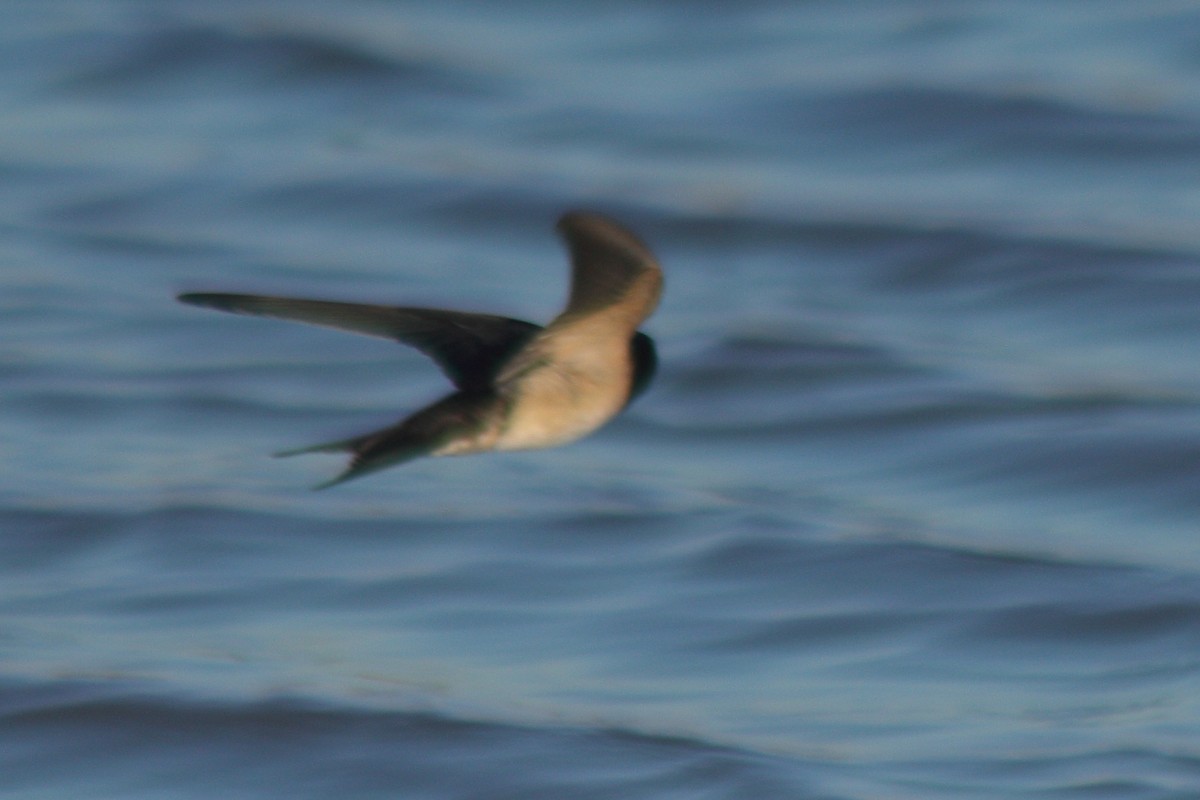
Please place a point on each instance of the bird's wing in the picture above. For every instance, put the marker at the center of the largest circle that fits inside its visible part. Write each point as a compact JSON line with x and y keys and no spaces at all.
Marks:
{"x":468,"y":347}
{"x":612,"y":273}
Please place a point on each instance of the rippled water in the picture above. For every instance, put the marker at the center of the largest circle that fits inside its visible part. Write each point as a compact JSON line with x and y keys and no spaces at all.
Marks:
{"x":909,"y":512}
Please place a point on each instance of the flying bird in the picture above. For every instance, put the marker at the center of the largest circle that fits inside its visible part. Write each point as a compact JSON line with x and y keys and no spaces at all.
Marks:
{"x":518,"y":386}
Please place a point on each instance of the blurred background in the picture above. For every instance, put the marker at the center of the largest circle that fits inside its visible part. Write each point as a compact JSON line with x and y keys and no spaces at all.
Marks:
{"x":909,"y":512}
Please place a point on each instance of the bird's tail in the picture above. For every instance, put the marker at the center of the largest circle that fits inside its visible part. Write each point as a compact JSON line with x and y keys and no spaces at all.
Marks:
{"x":368,"y":453}
{"x":456,"y":418}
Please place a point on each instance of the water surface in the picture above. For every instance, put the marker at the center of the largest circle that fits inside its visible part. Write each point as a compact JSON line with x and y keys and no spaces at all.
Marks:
{"x":909,"y":512}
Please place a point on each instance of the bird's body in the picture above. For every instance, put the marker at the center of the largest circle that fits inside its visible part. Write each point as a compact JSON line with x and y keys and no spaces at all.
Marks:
{"x":519,"y":386}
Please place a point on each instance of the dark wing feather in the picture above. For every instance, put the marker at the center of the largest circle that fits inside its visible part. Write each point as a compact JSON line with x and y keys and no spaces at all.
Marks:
{"x":611,"y":268}
{"x":468,"y":347}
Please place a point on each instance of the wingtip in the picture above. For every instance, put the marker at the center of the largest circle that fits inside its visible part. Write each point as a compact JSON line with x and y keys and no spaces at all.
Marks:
{"x":592,"y":225}
{"x":206,"y":299}
{"x":575,"y":217}
{"x":294,"y":451}
{"x":565,"y":218}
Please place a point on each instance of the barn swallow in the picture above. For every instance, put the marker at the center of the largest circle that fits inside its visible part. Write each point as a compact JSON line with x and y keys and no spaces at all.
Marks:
{"x":519,"y":386}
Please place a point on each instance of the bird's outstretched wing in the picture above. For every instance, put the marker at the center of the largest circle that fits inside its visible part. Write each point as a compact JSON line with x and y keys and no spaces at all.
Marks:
{"x":612,"y":271}
{"x":468,"y":347}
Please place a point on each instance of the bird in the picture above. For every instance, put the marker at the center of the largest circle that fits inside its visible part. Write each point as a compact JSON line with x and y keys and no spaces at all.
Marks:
{"x":518,"y":385}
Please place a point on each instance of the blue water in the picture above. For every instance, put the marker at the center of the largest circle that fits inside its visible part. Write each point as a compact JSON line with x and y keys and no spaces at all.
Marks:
{"x":911,"y":510}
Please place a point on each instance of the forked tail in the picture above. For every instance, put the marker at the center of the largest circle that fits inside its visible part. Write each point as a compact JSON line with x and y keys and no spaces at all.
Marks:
{"x":369,"y":452}
{"x":455,"y":420}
